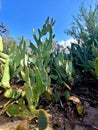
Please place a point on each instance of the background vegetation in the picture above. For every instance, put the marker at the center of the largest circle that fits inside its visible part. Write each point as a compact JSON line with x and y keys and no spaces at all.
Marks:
{"x":29,"y":71}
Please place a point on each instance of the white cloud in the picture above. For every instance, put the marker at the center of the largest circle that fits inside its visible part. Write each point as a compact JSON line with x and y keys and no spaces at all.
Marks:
{"x":61,"y":43}
{"x":67,"y":42}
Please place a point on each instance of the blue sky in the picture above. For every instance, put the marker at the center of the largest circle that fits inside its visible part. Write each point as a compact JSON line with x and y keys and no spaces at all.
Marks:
{"x":21,"y":16}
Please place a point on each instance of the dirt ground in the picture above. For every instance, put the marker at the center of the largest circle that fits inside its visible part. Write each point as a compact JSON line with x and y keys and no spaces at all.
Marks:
{"x":62,"y":116}
{"x":58,"y":121}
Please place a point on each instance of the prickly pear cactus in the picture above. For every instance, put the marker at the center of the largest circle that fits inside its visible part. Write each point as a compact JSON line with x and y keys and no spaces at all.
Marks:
{"x":42,"y":119}
{"x":4,"y":67}
{"x":1,"y":44}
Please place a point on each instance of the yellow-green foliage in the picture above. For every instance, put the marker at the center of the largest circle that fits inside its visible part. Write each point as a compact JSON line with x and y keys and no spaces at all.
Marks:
{"x":1,"y":44}
{"x":4,"y":67}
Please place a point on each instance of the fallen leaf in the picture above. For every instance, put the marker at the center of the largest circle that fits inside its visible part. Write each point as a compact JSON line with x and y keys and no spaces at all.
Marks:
{"x":75,"y":99}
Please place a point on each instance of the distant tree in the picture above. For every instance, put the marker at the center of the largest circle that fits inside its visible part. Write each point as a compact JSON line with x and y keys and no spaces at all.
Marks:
{"x":85,"y":23}
{"x":7,"y":40}
{"x":4,"y":31}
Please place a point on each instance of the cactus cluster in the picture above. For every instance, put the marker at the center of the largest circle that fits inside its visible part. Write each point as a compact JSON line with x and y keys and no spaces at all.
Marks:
{"x":33,"y":68}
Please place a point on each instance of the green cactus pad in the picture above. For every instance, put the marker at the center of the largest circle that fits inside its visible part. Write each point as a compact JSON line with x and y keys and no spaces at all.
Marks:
{"x":42,"y":119}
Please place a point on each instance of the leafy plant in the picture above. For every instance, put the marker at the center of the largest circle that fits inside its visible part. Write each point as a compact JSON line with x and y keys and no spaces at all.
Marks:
{"x":36,"y":78}
{"x":84,"y":29}
{"x":60,"y":70}
{"x":17,"y":55}
{"x":43,"y":47}
{"x":85,"y":23}
{"x":41,"y":68}
{"x":4,"y":68}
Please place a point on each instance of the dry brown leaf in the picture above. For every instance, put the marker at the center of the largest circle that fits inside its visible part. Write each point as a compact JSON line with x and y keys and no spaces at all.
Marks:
{"x":75,"y":99}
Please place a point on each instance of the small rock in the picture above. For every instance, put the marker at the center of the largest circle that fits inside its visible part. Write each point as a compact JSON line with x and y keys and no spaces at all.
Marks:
{"x":91,"y":117}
